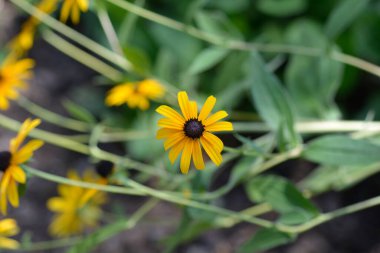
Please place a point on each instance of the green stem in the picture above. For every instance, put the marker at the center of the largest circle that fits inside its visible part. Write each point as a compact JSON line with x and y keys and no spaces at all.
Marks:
{"x":245,"y":46}
{"x":52,"y":117}
{"x":81,"y":56}
{"x":63,"y":180}
{"x":74,"y":35}
{"x":309,"y":127}
{"x":53,"y":244}
{"x":108,"y":28}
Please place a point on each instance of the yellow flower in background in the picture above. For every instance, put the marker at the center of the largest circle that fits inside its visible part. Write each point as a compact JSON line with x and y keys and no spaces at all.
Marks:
{"x":76,"y":208}
{"x":135,"y":94}
{"x":13,"y":76}
{"x":10,"y":162}
{"x":186,"y":133}
{"x":73,"y":8}
{"x":8,"y":227}
{"x":23,"y":42}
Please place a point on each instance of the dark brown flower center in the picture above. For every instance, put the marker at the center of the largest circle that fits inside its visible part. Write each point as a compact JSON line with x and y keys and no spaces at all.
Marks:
{"x":193,"y":128}
{"x":5,"y":160}
{"x":104,"y":168}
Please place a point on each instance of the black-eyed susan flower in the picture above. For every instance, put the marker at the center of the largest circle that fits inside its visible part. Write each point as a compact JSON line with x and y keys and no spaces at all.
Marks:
{"x":23,"y":42}
{"x":186,"y":133}
{"x":10,"y":162}
{"x":13,"y":76}
{"x":8,"y":228}
{"x":135,"y":94}
{"x":73,"y":8}
{"x":76,"y":208}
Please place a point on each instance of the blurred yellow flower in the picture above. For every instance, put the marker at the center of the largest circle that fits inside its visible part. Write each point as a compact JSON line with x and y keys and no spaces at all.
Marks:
{"x":187,"y":132}
{"x":13,"y":76}
{"x":135,"y":94}
{"x":76,"y":208}
{"x":73,"y":8}
{"x":23,"y":42}
{"x":8,"y":227}
{"x":10,"y":162}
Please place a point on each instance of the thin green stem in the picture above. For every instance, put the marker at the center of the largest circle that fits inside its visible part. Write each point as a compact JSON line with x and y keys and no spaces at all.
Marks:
{"x":52,"y":244}
{"x":245,"y":46}
{"x":108,"y":28}
{"x":81,"y":56}
{"x":63,"y":180}
{"x":74,"y":35}
{"x":309,"y":127}
{"x":52,"y":117}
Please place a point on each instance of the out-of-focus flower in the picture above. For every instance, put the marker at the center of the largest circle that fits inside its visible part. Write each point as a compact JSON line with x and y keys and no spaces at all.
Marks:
{"x":76,"y":208}
{"x":73,"y":8}
{"x":8,"y":228}
{"x":13,"y":76}
{"x":135,"y":94}
{"x":10,"y":162}
{"x":23,"y":42}
{"x":187,"y":132}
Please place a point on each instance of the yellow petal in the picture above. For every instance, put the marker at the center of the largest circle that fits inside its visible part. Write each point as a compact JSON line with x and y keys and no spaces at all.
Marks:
{"x":193,"y":110}
{"x":169,"y":123}
{"x":143,"y":104}
{"x":65,"y":10}
{"x":164,"y":133}
{"x":215,"y":117}
{"x":3,"y":202}
{"x":26,"y":152}
{"x":75,"y":13}
{"x":184,"y":104}
{"x":18,"y":174}
{"x":197,"y":155}
{"x":8,"y":243}
{"x":83,"y":5}
{"x":57,"y":204}
{"x":214,"y":155}
{"x":174,"y":152}
{"x":170,"y":113}
{"x":207,"y":108}
{"x":214,"y":140}
{"x":173,"y":139}
{"x":13,"y":193}
{"x":8,"y":227}
{"x":220,"y":126}
{"x":186,"y":156}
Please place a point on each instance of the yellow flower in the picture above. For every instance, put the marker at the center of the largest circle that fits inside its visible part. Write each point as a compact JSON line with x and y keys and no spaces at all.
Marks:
{"x":23,"y":42}
{"x":135,"y":94}
{"x":8,"y":227}
{"x":13,"y":74}
{"x":10,"y":162}
{"x":77,"y":208}
{"x":187,"y":132}
{"x":72,"y":8}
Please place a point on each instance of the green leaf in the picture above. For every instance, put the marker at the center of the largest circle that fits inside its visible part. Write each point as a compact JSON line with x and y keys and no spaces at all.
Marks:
{"x":343,"y":15}
{"x":264,"y":239}
{"x":282,"y":195}
{"x":312,"y":81}
{"x":139,"y":60}
{"x":341,"y":150}
{"x":207,"y":59}
{"x":272,"y":101}
{"x":216,"y":23}
{"x":78,"y":112}
{"x":281,"y":8}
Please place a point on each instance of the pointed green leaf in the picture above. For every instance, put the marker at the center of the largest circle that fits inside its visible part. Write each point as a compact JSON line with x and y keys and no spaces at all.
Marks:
{"x":207,"y":59}
{"x":341,"y":150}
{"x":343,"y":15}
{"x":264,"y":239}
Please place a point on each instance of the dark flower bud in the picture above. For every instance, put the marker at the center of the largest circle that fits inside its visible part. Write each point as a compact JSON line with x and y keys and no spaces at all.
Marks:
{"x":104,"y":168}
